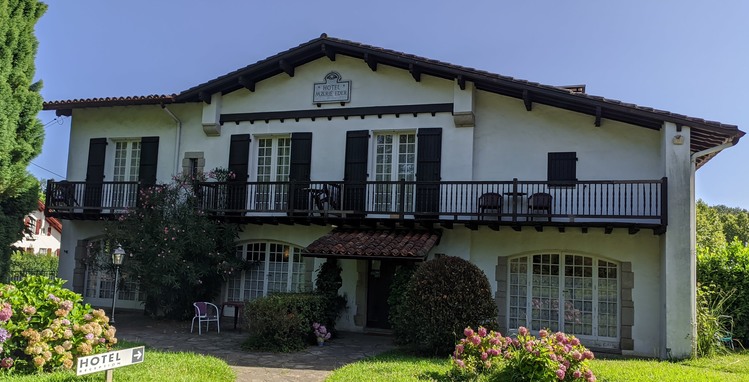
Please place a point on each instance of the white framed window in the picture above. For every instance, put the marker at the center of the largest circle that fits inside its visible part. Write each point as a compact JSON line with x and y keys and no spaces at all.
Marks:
{"x":576,"y":294}
{"x":395,"y":159}
{"x":99,"y":279}
{"x":273,"y":165}
{"x":126,"y":168}
{"x":278,"y":267}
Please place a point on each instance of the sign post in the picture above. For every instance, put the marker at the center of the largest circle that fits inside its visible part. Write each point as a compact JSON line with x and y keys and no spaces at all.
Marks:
{"x":111,"y":360}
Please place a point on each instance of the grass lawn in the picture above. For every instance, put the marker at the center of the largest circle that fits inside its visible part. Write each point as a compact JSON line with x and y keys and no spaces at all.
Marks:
{"x":157,"y":366}
{"x":396,"y":366}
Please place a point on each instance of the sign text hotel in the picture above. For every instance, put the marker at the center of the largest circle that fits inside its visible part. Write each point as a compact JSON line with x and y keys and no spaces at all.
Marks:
{"x":332,"y":90}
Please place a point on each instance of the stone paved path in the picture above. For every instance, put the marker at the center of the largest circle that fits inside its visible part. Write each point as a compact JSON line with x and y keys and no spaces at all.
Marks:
{"x":312,"y":364}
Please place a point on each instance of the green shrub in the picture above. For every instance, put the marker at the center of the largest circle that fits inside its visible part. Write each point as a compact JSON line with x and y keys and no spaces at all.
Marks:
{"x":282,"y":322}
{"x":444,"y":296}
{"x":45,"y":327}
{"x":33,"y":263}
{"x":395,"y":300}
{"x":712,"y":324}
{"x":327,"y":284}
{"x":728,"y":269}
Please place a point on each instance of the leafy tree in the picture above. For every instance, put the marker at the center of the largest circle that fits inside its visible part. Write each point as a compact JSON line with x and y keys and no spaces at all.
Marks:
{"x":709,"y":227}
{"x":735,"y":223}
{"x":177,"y":253}
{"x":21,"y":133}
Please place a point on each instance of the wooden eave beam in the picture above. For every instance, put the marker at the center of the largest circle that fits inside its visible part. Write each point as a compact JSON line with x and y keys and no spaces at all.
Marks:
{"x":247,"y":82}
{"x":461,"y":82}
{"x":415,"y":72}
{"x":598,"y":116}
{"x":329,"y":52}
{"x":527,"y":100}
{"x":286,"y":67}
{"x":371,"y":61}
{"x":205,"y":97}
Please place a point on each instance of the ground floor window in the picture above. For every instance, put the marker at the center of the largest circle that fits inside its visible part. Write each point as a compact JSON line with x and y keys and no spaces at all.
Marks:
{"x":277,"y":267}
{"x":573,"y":293}
{"x":99,"y":282}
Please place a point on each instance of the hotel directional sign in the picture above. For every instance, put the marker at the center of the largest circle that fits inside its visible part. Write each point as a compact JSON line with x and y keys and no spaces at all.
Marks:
{"x":111,"y":360}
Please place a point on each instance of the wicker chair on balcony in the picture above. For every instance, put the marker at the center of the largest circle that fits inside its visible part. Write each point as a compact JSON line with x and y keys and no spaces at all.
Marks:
{"x":540,"y":204}
{"x":490,"y":201}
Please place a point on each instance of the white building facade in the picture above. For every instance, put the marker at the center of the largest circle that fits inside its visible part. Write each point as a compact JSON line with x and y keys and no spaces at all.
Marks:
{"x":580,"y":210}
{"x":43,"y":233}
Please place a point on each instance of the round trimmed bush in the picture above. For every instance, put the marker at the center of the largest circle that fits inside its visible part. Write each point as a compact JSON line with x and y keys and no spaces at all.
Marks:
{"x":443,"y":297}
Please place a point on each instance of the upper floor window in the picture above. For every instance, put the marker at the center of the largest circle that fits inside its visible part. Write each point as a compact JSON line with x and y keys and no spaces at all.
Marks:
{"x":395,"y":159}
{"x":273,"y":165}
{"x":562,"y":167}
{"x":126,"y":161}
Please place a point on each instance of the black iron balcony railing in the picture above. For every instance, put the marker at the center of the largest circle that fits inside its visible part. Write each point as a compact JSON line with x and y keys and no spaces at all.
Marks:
{"x":600,"y":201}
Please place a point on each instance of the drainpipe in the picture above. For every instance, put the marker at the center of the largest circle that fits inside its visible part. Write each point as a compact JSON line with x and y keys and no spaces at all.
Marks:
{"x":178,"y":138}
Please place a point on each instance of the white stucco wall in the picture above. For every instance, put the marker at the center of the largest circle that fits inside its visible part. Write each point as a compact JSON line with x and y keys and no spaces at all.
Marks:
{"x":507,"y":142}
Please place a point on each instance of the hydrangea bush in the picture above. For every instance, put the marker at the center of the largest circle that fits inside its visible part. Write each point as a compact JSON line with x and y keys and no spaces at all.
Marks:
{"x":45,"y":327}
{"x":550,"y":357}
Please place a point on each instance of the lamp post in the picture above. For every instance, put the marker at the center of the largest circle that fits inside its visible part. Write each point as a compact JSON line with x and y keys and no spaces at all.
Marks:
{"x":117,"y":257}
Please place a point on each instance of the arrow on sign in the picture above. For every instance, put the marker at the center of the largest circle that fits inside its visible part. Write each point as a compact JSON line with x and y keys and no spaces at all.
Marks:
{"x":138,"y":354}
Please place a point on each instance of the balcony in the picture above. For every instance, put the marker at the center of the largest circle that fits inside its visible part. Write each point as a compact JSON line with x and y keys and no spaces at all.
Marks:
{"x":632,"y":204}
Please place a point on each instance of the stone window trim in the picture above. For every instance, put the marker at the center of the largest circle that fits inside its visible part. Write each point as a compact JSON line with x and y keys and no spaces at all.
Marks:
{"x":196,"y":155}
{"x":626,"y":306}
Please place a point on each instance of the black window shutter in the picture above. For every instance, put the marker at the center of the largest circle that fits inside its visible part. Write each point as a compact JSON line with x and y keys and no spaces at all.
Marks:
{"x":355,"y":169}
{"x":299,"y":168}
{"x":236,"y":190}
{"x":562,"y":167}
{"x":149,"y":157}
{"x":428,"y":169}
{"x":239,"y":155}
{"x":301,"y":156}
{"x":97,"y":149}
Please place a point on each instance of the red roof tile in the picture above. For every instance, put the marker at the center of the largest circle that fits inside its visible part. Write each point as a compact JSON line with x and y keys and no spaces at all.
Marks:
{"x":53,"y":222}
{"x":354,"y":243}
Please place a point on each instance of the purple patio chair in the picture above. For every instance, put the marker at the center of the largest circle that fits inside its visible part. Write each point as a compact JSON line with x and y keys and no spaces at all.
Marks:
{"x":205,"y":312}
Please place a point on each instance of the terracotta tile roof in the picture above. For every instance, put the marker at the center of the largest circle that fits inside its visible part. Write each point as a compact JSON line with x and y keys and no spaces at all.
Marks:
{"x":356,"y":243}
{"x":153,"y":99}
{"x":53,"y":222}
{"x":707,"y":133}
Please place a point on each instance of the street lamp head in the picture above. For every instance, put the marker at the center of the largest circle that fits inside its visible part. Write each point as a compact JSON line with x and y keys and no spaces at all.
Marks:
{"x":118,"y":255}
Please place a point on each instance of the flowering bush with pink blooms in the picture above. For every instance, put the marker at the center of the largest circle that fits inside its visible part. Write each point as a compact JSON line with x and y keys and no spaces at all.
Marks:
{"x":321,"y":332}
{"x":550,"y":357}
{"x":45,"y":327}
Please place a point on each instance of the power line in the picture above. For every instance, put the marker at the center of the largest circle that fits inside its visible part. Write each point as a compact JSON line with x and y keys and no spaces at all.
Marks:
{"x":49,"y":171}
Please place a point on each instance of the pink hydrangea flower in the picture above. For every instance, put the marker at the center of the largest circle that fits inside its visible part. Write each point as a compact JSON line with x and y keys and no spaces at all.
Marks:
{"x":543,"y":333}
{"x":459,"y":349}
{"x":6,"y":312}
{"x":482,"y":331}
{"x":468,"y":332}
{"x":484,"y":356}
{"x":560,"y":374}
{"x":577,"y":374}
{"x":476,"y":340}
{"x":588,"y":354}
{"x":523,"y":330}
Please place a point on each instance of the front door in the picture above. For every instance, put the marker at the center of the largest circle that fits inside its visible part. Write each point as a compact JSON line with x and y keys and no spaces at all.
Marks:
{"x":378,"y":290}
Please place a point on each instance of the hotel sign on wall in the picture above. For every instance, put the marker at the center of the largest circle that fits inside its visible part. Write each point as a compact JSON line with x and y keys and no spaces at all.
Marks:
{"x":333,"y":90}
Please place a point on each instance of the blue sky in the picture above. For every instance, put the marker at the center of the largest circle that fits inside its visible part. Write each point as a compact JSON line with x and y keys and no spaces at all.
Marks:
{"x":688,"y":57}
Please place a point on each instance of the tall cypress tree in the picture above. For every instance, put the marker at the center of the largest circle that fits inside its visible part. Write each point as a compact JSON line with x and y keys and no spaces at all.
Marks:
{"x":21,"y":132}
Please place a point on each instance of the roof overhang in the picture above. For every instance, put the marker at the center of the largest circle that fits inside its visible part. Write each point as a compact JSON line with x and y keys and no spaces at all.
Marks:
{"x":705,"y":134}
